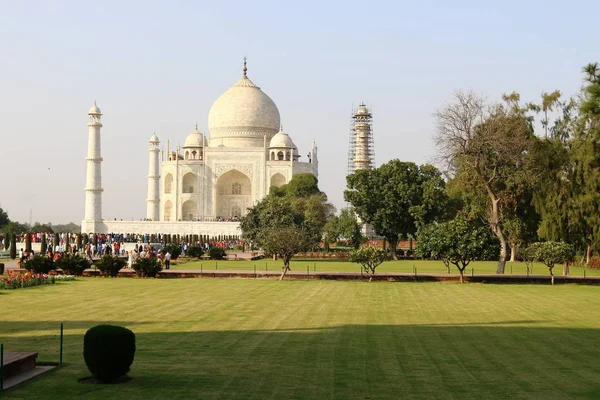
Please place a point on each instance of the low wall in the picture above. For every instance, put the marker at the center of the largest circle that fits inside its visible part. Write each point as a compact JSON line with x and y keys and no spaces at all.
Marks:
{"x":166,"y":227}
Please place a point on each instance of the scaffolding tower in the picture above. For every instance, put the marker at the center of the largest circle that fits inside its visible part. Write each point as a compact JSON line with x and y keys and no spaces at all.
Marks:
{"x":361,"y":152}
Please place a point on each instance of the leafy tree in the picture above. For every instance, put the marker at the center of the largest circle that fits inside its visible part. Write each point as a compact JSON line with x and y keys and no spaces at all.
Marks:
{"x":369,"y":258}
{"x":459,"y":242}
{"x":4,"y":220}
{"x":42,"y":228}
{"x":488,"y":151}
{"x":344,"y":226}
{"x":15,"y":227}
{"x":285,"y":241}
{"x":551,"y":253}
{"x":568,"y":197}
{"x":396,"y":198}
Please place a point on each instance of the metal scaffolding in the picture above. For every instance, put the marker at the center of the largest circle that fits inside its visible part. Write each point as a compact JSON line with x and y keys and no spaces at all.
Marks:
{"x":361,"y":152}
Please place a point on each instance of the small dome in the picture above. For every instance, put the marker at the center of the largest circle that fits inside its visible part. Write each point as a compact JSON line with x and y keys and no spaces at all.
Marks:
{"x":95,"y":110}
{"x":195,"y":139}
{"x":154,"y":139}
{"x":282,"y":140}
{"x":362,"y":110}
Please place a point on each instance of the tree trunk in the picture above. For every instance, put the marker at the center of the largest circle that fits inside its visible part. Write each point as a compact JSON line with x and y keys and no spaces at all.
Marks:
{"x":393,"y":245}
{"x":552,"y":276}
{"x":284,"y":269}
{"x":494,"y":222}
{"x":513,"y":252}
{"x":566,"y":269}
{"x":588,"y":254}
{"x":462,"y":275}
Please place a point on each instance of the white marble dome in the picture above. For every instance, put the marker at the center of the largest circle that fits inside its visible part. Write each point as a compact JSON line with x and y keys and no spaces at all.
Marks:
{"x":154,"y":139}
{"x":242,"y":116}
{"x":282,"y":140}
{"x":194,"y":139}
{"x":95,"y":110}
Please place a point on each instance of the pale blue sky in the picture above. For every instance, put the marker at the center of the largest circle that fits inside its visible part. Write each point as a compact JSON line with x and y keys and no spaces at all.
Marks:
{"x":157,"y":66}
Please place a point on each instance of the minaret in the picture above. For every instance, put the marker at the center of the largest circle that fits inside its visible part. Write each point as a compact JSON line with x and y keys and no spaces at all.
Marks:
{"x":153,"y":200}
{"x":93,"y":182}
{"x":361,"y":140}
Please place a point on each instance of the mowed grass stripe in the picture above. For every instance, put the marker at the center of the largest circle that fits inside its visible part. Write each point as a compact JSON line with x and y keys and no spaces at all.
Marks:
{"x":260,"y":339}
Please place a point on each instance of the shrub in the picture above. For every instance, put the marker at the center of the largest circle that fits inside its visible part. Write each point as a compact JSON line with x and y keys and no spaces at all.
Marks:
{"x":195,"y":251}
{"x":39,"y":264}
{"x":72,"y":264}
{"x":216,"y":253}
{"x":110,"y":265}
{"x":13,"y":246}
{"x":108,"y":351}
{"x":174,"y":249}
{"x":147,"y":267}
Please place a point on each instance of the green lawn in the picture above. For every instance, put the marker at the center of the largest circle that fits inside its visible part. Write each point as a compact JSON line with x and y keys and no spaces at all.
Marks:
{"x":422,"y":266}
{"x":264,"y":339}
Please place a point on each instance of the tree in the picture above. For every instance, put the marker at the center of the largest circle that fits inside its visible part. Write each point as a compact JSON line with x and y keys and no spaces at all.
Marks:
{"x":285,"y":241}
{"x":4,"y":220}
{"x":28,"y":243}
{"x":43,"y":245}
{"x":13,"y":246}
{"x":6,"y":242}
{"x":15,"y":227}
{"x":369,"y":257}
{"x":568,"y":197}
{"x":42,"y":228}
{"x":487,"y":149}
{"x":551,"y":253}
{"x":396,"y":198}
{"x":458,"y":241}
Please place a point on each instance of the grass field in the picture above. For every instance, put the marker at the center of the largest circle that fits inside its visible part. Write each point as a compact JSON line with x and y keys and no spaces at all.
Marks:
{"x":262,"y":339}
{"x":422,"y":266}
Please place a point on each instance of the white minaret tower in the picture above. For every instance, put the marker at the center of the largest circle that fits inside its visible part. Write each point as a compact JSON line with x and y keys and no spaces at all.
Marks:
{"x":153,"y":200}
{"x":361,"y":140}
{"x":93,"y":182}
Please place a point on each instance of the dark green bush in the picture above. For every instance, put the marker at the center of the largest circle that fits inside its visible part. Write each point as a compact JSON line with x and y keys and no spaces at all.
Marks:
{"x":39,"y":264}
{"x":13,"y":246}
{"x":147,"y":267}
{"x":195,"y":251}
{"x":216,"y":253}
{"x":110,"y":265}
{"x":174,"y":249}
{"x":72,"y":264}
{"x":108,"y":351}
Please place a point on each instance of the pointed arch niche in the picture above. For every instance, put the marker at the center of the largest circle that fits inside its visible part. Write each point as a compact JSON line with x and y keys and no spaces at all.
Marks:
{"x":189,"y":210}
{"x":189,"y":183}
{"x":168,"y":183}
{"x":168,"y":211}
{"x":277,"y":180}
{"x":234,"y":194}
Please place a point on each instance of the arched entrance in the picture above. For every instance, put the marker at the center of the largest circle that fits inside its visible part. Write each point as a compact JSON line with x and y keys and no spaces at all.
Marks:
{"x":168,"y":210}
{"x":277,"y":180}
{"x":234,"y":194}
{"x":188,"y":211}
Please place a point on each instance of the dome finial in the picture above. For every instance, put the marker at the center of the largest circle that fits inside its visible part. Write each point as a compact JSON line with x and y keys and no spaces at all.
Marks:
{"x":245,"y":69}
{"x":196,"y":126}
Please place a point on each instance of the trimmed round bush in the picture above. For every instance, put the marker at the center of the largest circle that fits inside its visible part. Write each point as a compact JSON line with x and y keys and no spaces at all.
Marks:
{"x":110,"y":265}
{"x":195,"y":251}
{"x":216,"y":253}
{"x":174,"y":249}
{"x":72,"y":264}
{"x":108,"y":351}
{"x":39,"y":265}
{"x":147,"y":267}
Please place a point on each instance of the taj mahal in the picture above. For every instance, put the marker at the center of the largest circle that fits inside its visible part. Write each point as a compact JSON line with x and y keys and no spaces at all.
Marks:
{"x":203,"y":186}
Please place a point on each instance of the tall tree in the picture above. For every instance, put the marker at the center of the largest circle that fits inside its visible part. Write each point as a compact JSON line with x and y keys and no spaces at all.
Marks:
{"x":396,"y":198}
{"x":487,"y":149}
{"x":3,"y":218}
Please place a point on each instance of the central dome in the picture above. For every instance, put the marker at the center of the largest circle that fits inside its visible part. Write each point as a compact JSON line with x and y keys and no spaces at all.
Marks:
{"x":242,"y":116}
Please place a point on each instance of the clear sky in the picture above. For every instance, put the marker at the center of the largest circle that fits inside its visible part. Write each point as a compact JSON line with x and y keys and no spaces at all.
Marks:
{"x":157,"y":66}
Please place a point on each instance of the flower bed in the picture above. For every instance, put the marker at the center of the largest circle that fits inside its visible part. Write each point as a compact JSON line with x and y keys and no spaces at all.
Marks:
{"x":28,"y":280}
